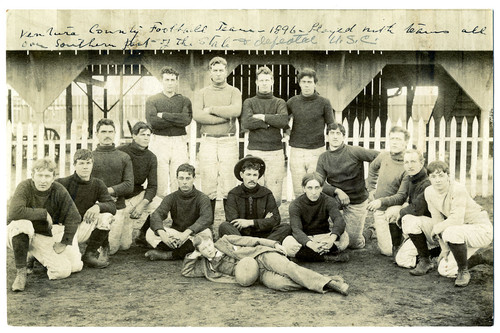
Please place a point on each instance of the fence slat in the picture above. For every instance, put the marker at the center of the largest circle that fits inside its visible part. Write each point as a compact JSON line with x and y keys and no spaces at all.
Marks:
{"x":40,"y":148}
{"x":355,"y":132}
{"x":485,"y":157}
{"x":453,"y":147}
{"x":463,"y":151}
{"x":29,"y":151}
{"x":388,"y":127}
{"x":431,"y":155}
{"x":8,"y":129}
{"x":473,"y":158}
{"x":421,"y":136}
{"x":72,"y":146}
{"x":378,"y":134}
{"x":19,"y":153}
{"x":409,"y":127}
{"x":62,"y":151}
{"x":442,"y":142}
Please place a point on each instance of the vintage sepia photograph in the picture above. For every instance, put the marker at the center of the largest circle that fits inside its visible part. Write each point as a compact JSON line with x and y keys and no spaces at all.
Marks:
{"x":249,"y":168}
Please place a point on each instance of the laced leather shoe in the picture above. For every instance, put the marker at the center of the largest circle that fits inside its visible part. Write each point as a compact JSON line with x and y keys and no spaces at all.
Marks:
{"x":423,"y":267}
{"x":463,"y":278}
{"x":158,"y":255}
{"x":20,"y":281}
{"x":337,"y":284}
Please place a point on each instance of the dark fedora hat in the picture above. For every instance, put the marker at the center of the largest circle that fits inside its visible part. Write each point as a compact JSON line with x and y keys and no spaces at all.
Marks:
{"x":253,"y":159}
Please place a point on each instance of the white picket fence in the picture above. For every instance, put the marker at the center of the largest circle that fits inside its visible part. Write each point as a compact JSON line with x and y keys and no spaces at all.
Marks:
{"x":27,"y":140}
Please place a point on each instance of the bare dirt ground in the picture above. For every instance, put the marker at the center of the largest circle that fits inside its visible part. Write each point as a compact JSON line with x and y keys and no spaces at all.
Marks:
{"x":134,"y":292}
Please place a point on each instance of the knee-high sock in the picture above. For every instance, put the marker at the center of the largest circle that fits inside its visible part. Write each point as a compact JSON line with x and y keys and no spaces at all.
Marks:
{"x":213,"y":202}
{"x":146,"y":225}
{"x":460,"y":253}
{"x":20,"y":245}
{"x":306,"y":254}
{"x":420,"y":242}
{"x":97,"y":238}
{"x":396,"y":234}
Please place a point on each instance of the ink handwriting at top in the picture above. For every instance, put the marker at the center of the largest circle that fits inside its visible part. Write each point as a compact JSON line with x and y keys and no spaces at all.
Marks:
{"x":385,"y":28}
{"x":318,"y":27}
{"x":50,"y":32}
{"x":224,"y":27}
{"x":175,"y":28}
{"x":420,"y":30}
{"x":475,"y":31}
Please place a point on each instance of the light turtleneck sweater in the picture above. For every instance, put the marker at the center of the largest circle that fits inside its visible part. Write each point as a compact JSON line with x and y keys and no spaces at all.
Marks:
{"x":190,"y":210}
{"x":224,"y":102}
{"x":145,"y":166}
{"x":311,"y":217}
{"x":385,"y":174}
{"x":310,"y":116}
{"x":264,"y":134}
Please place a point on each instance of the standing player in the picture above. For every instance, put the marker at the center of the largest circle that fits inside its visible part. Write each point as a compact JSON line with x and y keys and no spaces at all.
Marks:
{"x":168,"y":113}
{"x":265,"y":116}
{"x":216,"y":108}
{"x":310,"y":113}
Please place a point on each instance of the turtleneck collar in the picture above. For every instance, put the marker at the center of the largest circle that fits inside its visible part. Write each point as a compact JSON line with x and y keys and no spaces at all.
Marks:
{"x":186,"y":195}
{"x":136,"y":149}
{"x":419,"y":176}
{"x":339,"y":149}
{"x":175,"y":94}
{"x":309,"y":98}
{"x":313,"y":203}
{"x":40,"y":193}
{"x":80,"y":180}
{"x":250,"y":190}
{"x":397,"y":156}
{"x":105,"y":148}
{"x":219,"y":86}
{"x":268,"y":95}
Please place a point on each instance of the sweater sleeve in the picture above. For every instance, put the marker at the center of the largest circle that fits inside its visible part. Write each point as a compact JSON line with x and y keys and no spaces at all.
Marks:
{"x":181,"y":119}
{"x":161,"y":213}
{"x":328,"y":112}
{"x":371,"y":181}
{"x":231,"y":208}
{"x":200,"y":115}
{"x":458,"y":207}
{"x":265,"y":224}
{"x":152,"y":118}
{"x":229,"y":111}
{"x":127,"y":184}
{"x":401,"y":195}
{"x":249,"y":122}
{"x":152,"y":178}
{"x":206,"y":218}
{"x":328,"y":189}
{"x":69,"y":215}
{"x":435,"y":213}
{"x":418,"y":207}
{"x":280,"y":119}
{"x":19,"y":209}
{"x":104,"y":200}
{"x":337,"y":218}
{"x":296,"y":224}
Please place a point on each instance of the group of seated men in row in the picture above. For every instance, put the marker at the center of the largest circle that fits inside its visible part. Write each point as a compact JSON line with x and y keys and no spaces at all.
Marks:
{"x":418,"y":212}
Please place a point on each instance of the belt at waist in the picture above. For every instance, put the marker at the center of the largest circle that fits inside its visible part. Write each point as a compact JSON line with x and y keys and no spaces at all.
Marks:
{"x":228,"y":135}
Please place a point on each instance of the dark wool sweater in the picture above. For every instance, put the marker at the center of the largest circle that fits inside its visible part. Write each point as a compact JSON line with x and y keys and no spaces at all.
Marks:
{"x":310,"y":115}
{"x":311,"y":217}
{"x":115,"y":169}
{"x":188,"y":211}
{"x":263,"y":202}
{"x":343,"y":168}
{"x":145,"y":168}
{"x":264,"y":135}
{"x":28,"y":203}
{"x":85,"y":194}
{"x":177,"y":113}
{"x":413,"y":188}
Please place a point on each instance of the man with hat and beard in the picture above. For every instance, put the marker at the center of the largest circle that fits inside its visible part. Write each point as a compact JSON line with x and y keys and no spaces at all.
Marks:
{"x":251,"y":209}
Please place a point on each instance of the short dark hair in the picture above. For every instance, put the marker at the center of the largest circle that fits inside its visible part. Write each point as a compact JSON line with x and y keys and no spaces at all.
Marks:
{"x":333,"y":126}
{"x":264,"y":70}
{"x":396,"y":129}
{"x":312,"y":176}
{"x":45,"y":163}
{"x":438,"y":166}
{"x":250,"y":165}
{"x":104,"y":121}
{"x":83,"y":154}
{"x":169,"y":70}
{"x":216,"y":61}
{"x":307,"y":72}
{"x":186,"y":167}
{"x":140,"y":125}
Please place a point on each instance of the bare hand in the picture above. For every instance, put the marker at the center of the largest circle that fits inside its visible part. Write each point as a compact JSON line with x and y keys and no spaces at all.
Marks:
{"x":280,"y":248}
{"x":242,"y":223}
{"x":182,"y":237}
{"x":316,"y":247}
{"x":374,"y":205}
{"x":344,"y":198}
{"x":259,"y":116}
{"x":443,"y":255}
{"x":137,"y":211}
{"x":91,"y":214}
{"x":59,"y":247}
